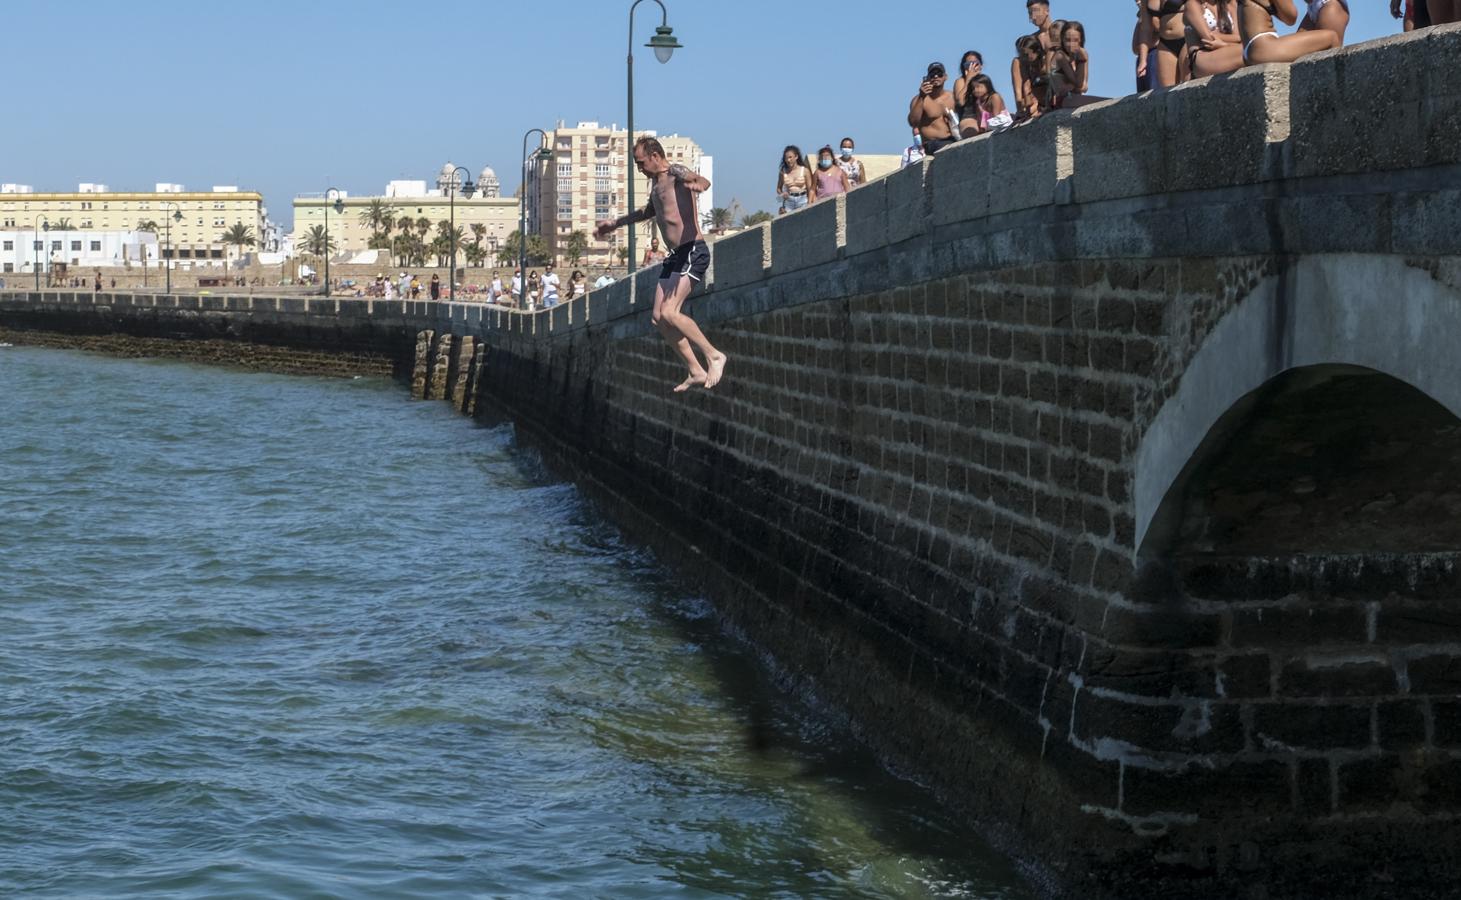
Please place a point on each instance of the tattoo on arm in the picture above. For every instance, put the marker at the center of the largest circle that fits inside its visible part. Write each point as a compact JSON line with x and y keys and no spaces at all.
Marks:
{"x":680,"y":172}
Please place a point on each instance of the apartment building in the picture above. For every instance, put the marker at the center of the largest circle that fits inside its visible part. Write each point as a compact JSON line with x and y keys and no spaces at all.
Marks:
{"x":586,"y":180}
{"x":195,"y":238}
{"x":25,"y":250}
{"x":408,"y":199}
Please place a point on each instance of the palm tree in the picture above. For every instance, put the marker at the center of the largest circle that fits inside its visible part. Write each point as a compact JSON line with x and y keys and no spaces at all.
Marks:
{"x":474,"y":254}
{"x":148,"y":225}
{"x":574,"y":247}
{"x":239,"y":235}
{"x":538,"y":250}
{"x":755,"y":218}
{"x":718,"y":219}
{"x":375,"y":215}
{"x":62,"y":225}
{"x":423,"y":226}
{"x":315,"y":242}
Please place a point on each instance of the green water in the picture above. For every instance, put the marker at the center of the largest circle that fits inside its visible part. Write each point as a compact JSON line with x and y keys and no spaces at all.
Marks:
{"x":284,"y":637}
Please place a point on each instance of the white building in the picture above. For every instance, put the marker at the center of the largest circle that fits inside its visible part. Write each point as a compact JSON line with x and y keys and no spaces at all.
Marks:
{"x":21,"y":250}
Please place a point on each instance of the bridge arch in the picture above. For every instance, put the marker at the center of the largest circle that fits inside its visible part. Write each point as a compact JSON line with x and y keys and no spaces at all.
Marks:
{"x":1372,"y":320}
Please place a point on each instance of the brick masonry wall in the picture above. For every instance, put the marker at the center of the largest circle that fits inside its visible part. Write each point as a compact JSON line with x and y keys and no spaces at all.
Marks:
{"x":915,"y":488}
{"x":920,"y":500}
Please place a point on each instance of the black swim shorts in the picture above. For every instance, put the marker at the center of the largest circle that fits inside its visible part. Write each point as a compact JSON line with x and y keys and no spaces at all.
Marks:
{"x":934,"y":145}
{"x":690,"y":259}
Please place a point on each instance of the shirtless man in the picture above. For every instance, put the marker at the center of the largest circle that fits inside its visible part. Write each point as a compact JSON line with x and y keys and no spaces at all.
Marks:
{"x":672,"y":193}
{"x":1039,"y":14}
{"x":932,"y":111}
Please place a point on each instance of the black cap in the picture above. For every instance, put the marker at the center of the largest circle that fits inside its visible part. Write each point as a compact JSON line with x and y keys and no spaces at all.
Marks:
{"x":936,"y":68}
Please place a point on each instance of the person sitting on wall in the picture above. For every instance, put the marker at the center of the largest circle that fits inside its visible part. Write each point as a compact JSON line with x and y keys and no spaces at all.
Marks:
{"x":1262,"y":42}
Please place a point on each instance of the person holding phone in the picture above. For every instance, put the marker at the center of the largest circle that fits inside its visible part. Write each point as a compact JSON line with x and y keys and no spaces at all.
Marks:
{"x":931,"y":114}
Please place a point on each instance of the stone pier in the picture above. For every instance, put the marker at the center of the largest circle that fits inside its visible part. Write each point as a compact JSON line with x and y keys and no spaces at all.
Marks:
{"x":1109,"y":491}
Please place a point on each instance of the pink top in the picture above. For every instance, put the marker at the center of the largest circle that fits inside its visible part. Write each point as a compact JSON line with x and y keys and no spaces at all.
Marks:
{"x":829,"y":182}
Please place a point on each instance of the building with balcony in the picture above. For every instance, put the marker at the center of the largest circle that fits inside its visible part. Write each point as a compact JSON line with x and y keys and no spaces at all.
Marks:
{"x":95,"y":208}
{"x":587,"y":181}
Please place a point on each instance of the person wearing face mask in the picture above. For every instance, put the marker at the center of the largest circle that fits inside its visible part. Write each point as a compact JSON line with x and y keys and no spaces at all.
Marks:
{"x":856,"y":174}
{"x":831,"y":180}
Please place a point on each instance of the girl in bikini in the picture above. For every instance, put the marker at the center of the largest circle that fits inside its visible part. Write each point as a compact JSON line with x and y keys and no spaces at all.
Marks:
{"x":1166,"y":19}
{"x":1070,"y":67}
{"x":1330,"y":15}
{"x":1032,"y":83}
{"x":1262,"y":44}
{"x":1213,"y":45}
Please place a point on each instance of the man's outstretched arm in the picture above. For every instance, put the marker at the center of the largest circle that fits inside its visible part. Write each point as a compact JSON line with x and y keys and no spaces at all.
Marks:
{"x":608,"y":225}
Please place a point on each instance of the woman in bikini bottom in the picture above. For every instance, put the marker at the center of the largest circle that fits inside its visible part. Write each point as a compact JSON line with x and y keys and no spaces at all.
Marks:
{"x":1262,"y":44}
{"x":1166,"y":19}
{"x":1213,"y":46}
{"x":1330,"y":15}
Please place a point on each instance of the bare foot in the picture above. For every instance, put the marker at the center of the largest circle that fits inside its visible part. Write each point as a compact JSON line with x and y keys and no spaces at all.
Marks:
{"x":694,"y":379}
{"x":717,"y":369}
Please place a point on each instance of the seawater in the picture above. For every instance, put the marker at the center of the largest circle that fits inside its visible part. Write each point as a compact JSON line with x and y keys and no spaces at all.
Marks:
{"x":267,"y":636}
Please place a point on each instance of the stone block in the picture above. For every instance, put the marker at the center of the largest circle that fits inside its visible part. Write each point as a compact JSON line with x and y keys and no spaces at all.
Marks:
{"x":959,"y":181}
{"x":1249,"y":108}
{"x":1342,"y":124}
{"x":1027,"y":163}
{"x":1438,"y":674}
{"x":1342,"y":678}
{"x":1155,"y":143}
{"x":742,"y":258}
{"x":908,"y":206}
{"x":645,"y":282}
{"x":808,"y":237}
{"x":867,"y":218}
{"x":1257,"y":788}
{"x":610,"y":303}
{"x":1311,"y":726}
{"x":1118,"y":147}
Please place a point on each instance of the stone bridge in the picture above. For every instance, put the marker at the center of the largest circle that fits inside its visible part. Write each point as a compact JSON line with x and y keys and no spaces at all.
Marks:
{"x":1105,"y":471}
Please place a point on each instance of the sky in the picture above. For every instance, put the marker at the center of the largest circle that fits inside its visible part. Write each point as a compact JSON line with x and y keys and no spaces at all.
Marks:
{"x":294,"y":97}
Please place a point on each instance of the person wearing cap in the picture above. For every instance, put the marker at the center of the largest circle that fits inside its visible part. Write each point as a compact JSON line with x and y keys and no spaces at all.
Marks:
{"x":931,"y":114}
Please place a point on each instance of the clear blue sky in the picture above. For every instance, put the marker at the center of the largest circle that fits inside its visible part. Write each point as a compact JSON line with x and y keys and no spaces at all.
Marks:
{"x":291,"y":97}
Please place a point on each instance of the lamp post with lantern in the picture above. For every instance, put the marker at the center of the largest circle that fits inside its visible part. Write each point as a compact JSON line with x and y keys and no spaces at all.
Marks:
{"x":664,"y":45}
{"x":468,"y":189}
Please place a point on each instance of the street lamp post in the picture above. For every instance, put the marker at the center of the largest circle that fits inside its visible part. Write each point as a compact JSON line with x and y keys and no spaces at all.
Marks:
{"x":544,"y":153}
{"x":177,"y":216}
{"x":468,"y":189}
{"x":35,"y":247}
{"x":339,"y":208}
{"x":664,"y":45}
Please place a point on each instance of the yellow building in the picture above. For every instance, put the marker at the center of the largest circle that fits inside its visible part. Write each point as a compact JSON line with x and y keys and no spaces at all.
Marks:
{"x":351,"y":232}
{"x":587,"y":180}
{"x":95,"y":208}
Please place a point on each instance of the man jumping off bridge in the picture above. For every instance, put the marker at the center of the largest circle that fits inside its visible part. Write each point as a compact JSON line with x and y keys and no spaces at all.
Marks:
{"x":672,"y":194}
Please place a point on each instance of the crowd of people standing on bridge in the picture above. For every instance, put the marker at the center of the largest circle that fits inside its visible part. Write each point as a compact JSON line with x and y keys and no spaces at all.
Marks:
{"x":1173,"y":41}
